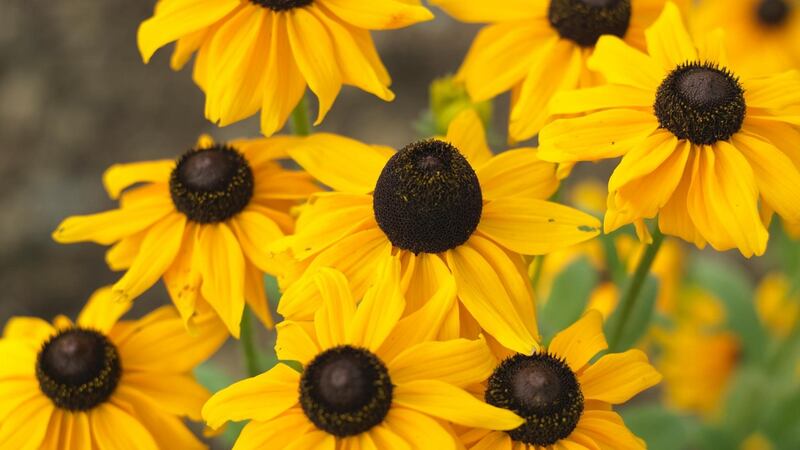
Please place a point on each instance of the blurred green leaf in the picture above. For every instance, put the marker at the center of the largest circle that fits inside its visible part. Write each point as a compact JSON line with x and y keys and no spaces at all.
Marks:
{"x":568,"y":296}
{"x":781,"y":422}
{"x":747,"y":398}
{"x":639,"y":318}
{"x":714,"y":438}
{"x":215,"y":379}
{"x":273,"y":290}
{"x":661,"y":428}
{"x":732,"y":286}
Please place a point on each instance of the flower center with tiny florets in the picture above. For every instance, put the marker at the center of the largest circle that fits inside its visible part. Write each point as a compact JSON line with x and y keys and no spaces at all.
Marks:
{"x":346,"y":391}
{"x":700,"y":102}
{"x":544,"y":391}
{"x":78,"y":369}
{"x":211,"y":185}
{"x":428,"y":198}
{"x":773,"y":13}
{"x":584,"y":21}
{"x":282,"y":5}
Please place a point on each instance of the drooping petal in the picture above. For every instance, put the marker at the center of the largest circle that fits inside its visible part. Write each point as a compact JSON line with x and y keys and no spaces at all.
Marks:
{"x":283,"y":77}
{"x":378,"y":14}
{"x":101,"y":311}
{"x":381,"y":308}
{"x":579,"y":342}
{"x":115,"y":429}
{"x":219,"y":256}
{"x":334,"y":318}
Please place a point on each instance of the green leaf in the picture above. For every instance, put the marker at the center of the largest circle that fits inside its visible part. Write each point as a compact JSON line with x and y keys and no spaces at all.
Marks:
{"x":639,"y":318}
{"x":661,"y":428}
{"x":568,"y":297}
{"x":781,"y":421}
{"x":732,"y":286}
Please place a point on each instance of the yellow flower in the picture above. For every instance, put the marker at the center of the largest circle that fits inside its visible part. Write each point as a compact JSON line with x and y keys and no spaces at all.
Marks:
{"x":565,"y":399}
{"x":697,"y":358}
{"x":260,"y":54}
{"x":204,"y":223}
{"x":536,"y":48}
{"x":762,"y":36}
{"x":444,"y":207}
{"x":370,"y":379}
{"x":777,"y":305}
{"x":101,"y":384}
{"x":700,"y":148}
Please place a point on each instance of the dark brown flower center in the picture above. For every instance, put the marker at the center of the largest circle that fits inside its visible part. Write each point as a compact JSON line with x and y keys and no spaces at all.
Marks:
{"x":700,"y":102}
{"x":346,"y":391}
{"x":773,"y":13}
{"x":428,"y":198}
{"x":544,"y":391}
{"x":282,"y":5}
{"x":584,"y":21}
{"x":78,"y":369}
{"x":211,"y":185}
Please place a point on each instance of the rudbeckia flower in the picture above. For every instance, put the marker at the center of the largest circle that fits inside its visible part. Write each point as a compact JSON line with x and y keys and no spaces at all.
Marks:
{"x":777,"y":304}
{"x":203,"y":223}
{"x":370,"y":379}
{"x":566,"y":400}
{"x":701,"y":148}
{"x":444,"y":206}
{"x":261,"y":54}
{"x":762,"y":36}
{"x":102,"y":384}
{"x":535,"y":48}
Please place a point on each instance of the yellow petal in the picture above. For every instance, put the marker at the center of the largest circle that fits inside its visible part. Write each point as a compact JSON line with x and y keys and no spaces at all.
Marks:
{"x":381,"y":308}
{"x":460,"y":362}
{"x":517,"y":173}
{"x":283,"y":77}
{"x":609,"y":96}
{"x":498,"y":11}
{"x":579,"y":342}
{"x":622,"y":64}
{"x":378,"y":14}
{"x":495,"y":440}
{"x":255,"y":233}
{"x":294,"y":342}
{"x":313,"y":439}
{"x":608,"y":431}
{"x":776,"y":92}
{"x":122,"y":254}
{"x":535,"y":227}
{"x":219,"y":256}
{"x":668,"y":41}
{"x":448,"y":402}
{"x":183,"y":278}
{"x":617,"y":377}
{"x":101,"y":311}
{"x":167,"y":429}
{"x":467,"y":134}
{"x":333,"y":320}
{"x":383,"y":437}
{"x":25,"y":429}
{"x":120,"y":176}
{"x":115,"y":429}
{"x":110,"y":226}
{"x":418,"y":430}
{"x":277,"y":433}
{"x":674,"y":218}
{"x":180,"y":395}
{"x":259,"y":398}
{"x":33,"y":330}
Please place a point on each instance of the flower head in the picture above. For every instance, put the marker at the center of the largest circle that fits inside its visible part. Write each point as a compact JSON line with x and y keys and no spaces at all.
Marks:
{"x":702,"y":148}
{"x":203,"y":223}
{"x":261,"y":54}
{"x":445,"y":207}
{"x":370,"y":378}
{"x":98,"y":383}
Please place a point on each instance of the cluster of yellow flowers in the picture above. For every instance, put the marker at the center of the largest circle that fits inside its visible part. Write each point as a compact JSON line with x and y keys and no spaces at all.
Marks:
{"x":407,"y":300}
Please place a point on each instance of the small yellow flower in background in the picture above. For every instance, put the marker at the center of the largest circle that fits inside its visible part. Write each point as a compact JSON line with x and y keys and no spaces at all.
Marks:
{"x":566,"y":400}
{"x":777,"y":306}
{"x":762,"y":36}
{"x":697,"y":358}
{"x":700,"y":148}
{"x":102,"y":384}
{"x":444,"y":206}
{"x":370,"y":379}
{"x":535,"y":48}
{"x":203,"y":223}
{"x":756,"y":441}
{"x":260,"y":54}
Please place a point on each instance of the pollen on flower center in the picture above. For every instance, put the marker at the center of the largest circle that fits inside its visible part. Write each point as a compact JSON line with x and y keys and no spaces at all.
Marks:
{"x":700,"y":102}
{"x":544,"y":391}
{"x":773,"y":13}
{"x":211,"y":185}
{"x":584,"y":21}
{"x":282,"y":5}
{"x":346,"y":391}
{"x":428,"y":198}
{"x":78,"y":369}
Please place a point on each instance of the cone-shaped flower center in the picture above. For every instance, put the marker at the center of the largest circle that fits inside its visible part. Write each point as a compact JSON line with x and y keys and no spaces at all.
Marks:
{"x":700,"y":102}
{"x":78,"y":369}
{"x":428,"y":198}
{"x":584,"y":21}
{"x":282,"y":5}
{"x":211,"y":185}
{"x":541,"y":389}
{"x":346,"y":391}
{"x":773,"y":13}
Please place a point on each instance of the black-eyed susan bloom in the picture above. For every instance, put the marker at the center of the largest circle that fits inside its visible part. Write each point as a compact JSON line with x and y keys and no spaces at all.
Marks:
{"x":701,"y":148}
{"x":101,"y":384}
{"x":444,"y":206}
{"x":261,"y":54}
{"x":203,"y":223}
{"x":370,"y":379}
{"x":535,"y":48}
{"x":566,"y":400}
{"x":762,"y":36}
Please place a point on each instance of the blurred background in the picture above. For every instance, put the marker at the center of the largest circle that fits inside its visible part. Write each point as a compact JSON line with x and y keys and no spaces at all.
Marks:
{"x":75,"y":98}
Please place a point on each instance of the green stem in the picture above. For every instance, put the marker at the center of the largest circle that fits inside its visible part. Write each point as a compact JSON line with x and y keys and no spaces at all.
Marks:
{"x":248,"y":341}
{"x":301,"y":124}
{"x":626,"y":304}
